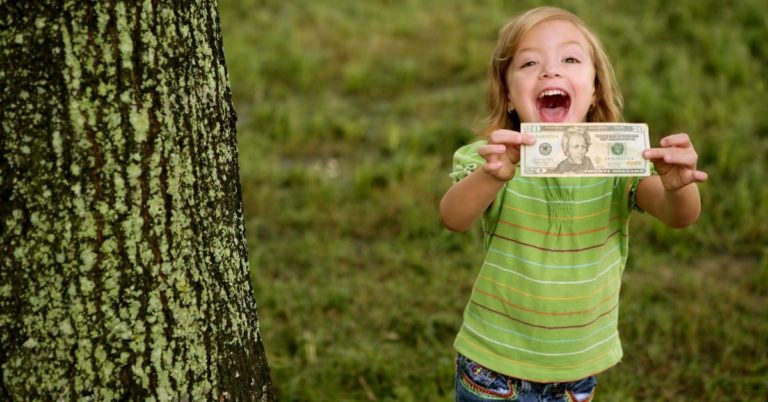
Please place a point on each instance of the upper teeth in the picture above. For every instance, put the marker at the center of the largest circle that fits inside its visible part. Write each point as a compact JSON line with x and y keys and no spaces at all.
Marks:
{"x":551,"y":92}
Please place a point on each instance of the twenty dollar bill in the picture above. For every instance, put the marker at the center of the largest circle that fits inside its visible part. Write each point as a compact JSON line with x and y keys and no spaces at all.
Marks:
{"x":585,"y":149}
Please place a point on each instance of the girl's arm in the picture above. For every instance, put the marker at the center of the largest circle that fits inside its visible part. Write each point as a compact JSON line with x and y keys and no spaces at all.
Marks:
{"x":672,"y":196}
{"x":467,"y":199}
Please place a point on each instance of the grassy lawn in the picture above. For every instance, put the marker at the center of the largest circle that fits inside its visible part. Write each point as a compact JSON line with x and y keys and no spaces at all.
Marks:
{"x":349,"y":113}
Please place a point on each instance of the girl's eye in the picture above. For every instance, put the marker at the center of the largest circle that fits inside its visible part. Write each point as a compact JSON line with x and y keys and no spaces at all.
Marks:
{"x":528,"y":64}
{"x":571,"y":60}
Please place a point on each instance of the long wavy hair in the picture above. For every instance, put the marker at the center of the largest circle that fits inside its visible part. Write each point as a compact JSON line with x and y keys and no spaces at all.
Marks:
{"x":608,"y":100}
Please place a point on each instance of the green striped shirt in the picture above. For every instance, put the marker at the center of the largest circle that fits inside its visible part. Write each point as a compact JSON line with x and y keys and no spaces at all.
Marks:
{"x":545,"y":304}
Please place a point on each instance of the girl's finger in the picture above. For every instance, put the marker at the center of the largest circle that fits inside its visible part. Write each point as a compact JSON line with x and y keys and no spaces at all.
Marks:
{"x":492,"y":166}
{"x":679,"y":156}
{"x":682,"y":159}
{"x":510,"y":137}
{"x":676,"y":140}
{"x":700,"y":176}
{"x":654,"y":153}
{"x":491,"y":149}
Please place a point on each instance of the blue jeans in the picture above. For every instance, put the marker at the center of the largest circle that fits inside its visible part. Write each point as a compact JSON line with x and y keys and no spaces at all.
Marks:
{"x":475,"y":383}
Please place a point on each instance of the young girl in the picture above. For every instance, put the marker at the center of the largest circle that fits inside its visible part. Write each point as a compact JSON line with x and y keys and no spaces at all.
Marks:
{"x":542,"y":317}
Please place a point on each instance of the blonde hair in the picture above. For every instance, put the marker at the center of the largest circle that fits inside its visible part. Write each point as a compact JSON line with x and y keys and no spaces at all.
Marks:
{"x":608,"y":100}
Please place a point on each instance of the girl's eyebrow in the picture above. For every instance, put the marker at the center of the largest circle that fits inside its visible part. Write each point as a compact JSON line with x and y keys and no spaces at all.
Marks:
{"x":574,"y":42}
{"x":563,"y":44}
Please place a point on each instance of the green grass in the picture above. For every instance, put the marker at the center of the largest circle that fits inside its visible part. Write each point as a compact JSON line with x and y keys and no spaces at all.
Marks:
{"x":349,"y":112}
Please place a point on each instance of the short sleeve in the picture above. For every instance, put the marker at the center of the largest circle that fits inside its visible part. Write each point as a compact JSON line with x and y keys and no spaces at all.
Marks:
{"x":631,"y":186}
{"x":466,"y":160}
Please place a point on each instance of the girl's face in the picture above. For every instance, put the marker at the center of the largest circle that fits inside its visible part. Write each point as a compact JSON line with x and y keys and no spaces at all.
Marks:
{"x":552,"y":75}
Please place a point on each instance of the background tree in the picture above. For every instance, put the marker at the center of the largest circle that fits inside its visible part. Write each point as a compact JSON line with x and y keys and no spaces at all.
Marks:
{"x":123,"y":267}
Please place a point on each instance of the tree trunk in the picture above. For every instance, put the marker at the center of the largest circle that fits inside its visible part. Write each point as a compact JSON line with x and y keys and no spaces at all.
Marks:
{"x":123,"y":264}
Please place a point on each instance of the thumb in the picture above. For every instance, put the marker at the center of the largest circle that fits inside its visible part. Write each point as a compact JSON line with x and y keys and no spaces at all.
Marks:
{"x":699,"y":176}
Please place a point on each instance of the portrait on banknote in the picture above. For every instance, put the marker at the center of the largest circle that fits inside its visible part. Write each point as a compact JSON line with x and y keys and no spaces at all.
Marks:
{"x":575,"y":146}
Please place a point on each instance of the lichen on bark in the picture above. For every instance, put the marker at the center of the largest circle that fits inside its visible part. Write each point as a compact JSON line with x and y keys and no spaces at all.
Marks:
{"x":123,"y":263}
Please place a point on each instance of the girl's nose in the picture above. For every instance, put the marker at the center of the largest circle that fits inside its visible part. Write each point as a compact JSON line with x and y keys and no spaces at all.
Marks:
{"x":550,"y":70}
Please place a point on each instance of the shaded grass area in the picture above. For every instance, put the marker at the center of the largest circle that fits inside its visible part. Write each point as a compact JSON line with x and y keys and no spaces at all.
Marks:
{"x":349,"y":113}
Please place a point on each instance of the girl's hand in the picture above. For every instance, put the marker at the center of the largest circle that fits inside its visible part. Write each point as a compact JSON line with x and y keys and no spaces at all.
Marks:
{"x":502,"y":153}
{"x":676,"y":162}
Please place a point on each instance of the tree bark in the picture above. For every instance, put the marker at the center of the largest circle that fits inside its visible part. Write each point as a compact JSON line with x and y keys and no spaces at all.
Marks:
{"x":123,"y":263}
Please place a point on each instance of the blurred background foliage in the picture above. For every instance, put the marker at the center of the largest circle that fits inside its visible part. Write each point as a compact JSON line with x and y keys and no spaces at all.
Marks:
{"x":348,"y":115}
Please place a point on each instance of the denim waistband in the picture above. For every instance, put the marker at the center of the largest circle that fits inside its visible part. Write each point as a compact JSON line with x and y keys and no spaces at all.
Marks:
{"x":487,"y":377}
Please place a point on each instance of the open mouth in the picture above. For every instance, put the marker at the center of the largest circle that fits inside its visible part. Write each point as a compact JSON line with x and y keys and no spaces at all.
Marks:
{"x":553,"y":105}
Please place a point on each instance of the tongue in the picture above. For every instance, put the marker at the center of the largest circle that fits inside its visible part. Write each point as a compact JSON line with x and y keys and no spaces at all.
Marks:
{"x":553,"y":109}
{"x":553,"y":114}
